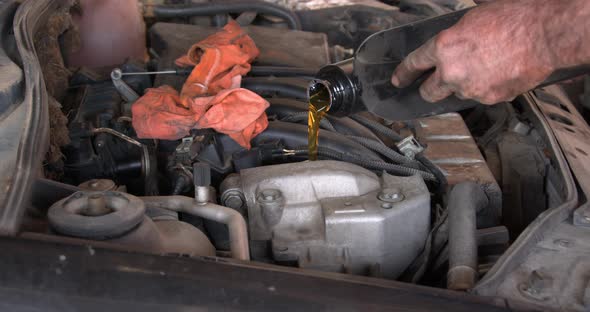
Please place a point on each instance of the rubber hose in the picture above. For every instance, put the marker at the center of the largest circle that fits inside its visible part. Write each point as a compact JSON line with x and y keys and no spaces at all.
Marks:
{"x":282,"y":107}
{"x":210,"y":8}
{"x":368,"y":163}
{"x":395,"y":169}
{"x":465,"y":200}
{"x":377,"y":127}
{"x":281,"y":87}
{"x":434,"y":169}
{"x":294,"y":135}
{"x":303,"y":116}
{"x":385,"y":151}
{"x":280,"y":71}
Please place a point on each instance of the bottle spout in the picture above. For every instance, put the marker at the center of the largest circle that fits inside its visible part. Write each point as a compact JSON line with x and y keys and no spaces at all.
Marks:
{"x":319,"y":92}
{"x":336,"y":84}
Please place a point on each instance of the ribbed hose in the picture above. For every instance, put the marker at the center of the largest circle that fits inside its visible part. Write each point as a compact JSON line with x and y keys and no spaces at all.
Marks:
{"x":441,"y":188}
{"x":210,"y":8}
{"x":373,"y":145}
{"x":423,"y":162}
{"x":385,"y":151}
{"x":303,"y":116}
{"x":368,"y":163}
{"x":377,"y":127}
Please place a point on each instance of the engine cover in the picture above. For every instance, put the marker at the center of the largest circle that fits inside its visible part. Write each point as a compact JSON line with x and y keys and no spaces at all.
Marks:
{"x":336,"y":216}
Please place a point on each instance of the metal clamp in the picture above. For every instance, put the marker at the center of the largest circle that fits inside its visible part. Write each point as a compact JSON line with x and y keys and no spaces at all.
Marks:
{"x":410,"y":147}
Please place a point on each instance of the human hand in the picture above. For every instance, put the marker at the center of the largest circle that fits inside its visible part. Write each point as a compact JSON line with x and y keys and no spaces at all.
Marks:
{"x":497,"y":51}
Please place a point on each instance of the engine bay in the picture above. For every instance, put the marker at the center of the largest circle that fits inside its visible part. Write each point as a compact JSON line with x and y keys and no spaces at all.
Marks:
{"x":384,"y":199}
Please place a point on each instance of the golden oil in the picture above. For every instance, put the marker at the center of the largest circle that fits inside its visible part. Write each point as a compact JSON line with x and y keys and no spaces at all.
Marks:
{"x":319,"y":104}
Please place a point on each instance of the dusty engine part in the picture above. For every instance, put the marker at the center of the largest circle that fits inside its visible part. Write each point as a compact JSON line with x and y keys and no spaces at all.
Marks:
{"x":113,"y":214}
{"x":57,"y":35}
{"x":120,"y":218}
{"x":219,"y":12}
{"x":58,"y":137}
{"x":335,"y":216}
{"x":98,"y":185}
{"x":521,"y":165}
{"x":101,"y":135}
{"x":349,"y":25}
{"x":451,"y":147}
{"x":523,"y":180}
{"x":349,"y":22}
{"x":48,"y":39}
{"x":231,"y":193}
{"x":277,"y":47}
{"x":238,"y":231}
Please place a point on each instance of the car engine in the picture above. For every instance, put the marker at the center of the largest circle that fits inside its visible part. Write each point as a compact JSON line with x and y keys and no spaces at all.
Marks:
{"x":377,"y":203}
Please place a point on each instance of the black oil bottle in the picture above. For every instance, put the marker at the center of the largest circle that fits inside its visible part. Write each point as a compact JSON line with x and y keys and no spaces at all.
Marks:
{"x":363,"y":83}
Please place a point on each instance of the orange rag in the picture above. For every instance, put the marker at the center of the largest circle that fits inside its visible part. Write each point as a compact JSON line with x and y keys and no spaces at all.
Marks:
{"x":211,"y":97}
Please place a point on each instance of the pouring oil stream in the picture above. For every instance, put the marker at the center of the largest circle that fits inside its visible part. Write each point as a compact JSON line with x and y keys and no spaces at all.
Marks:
{"x":319,"y":104}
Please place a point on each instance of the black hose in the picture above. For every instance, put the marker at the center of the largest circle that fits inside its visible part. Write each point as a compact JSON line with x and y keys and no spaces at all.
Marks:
{"x":283,"y":107}
{"x":377,"y":127}
{"x":281,"y":71}
{"x":394,"y":169}
{"x":378,"y":165}
{"x":390,"y":133}
{"x":416,"y":270}
{"x":293,"y":135}
{"x":435,"y":170}
{"x":303,"y":116}
{"x":348,"y":126}
{"x":210,"y":8}
{"x":264,"y":86}
{"x":293,"y":112}
{"x":384,"y":150}
{"x":465,"y":200}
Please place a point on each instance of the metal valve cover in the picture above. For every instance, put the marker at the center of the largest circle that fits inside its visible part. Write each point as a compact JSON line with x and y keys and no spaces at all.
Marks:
{"x":338,"y":217}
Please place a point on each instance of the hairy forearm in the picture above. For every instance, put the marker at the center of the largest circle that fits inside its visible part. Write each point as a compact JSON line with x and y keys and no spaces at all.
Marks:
{"x":566,"y":25}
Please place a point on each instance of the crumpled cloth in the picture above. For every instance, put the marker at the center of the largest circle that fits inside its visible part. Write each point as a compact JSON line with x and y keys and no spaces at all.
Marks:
{"x":211,"y":97}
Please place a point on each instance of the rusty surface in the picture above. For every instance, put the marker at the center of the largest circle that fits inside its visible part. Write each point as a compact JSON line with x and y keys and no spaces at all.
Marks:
{"x":571,"y":130}
{"x":451,"y":147}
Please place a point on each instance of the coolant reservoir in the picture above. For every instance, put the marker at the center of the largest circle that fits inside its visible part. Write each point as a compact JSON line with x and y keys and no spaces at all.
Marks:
{"x":111,"y":31}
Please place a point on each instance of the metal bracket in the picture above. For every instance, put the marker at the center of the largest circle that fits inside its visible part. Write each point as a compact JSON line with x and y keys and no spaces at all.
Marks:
{"x":126,"y":92}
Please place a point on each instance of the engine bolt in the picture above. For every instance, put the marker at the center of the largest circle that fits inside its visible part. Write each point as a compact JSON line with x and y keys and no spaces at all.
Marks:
{"x":387,"y":205}
{"x":96,"y":205}
{"x":269,"y":195}
{"x":390,"y":195}
{"x":234,"y":201}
